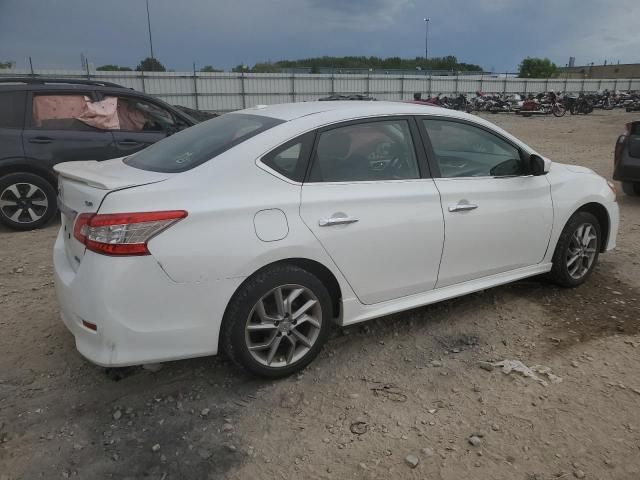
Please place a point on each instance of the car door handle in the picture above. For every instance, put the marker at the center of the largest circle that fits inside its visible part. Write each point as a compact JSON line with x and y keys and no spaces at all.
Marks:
{"x":329,"y":222}
{"x":462,"y":207}
{"x":129,"y":143}
{"x":40,"y":140}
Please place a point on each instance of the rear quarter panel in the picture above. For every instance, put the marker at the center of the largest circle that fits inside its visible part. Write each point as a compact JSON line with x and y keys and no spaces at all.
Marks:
{"x":217,"y":240}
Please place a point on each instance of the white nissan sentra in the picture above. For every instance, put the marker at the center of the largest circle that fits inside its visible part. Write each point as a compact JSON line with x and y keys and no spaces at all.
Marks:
{"x":254,"y":232}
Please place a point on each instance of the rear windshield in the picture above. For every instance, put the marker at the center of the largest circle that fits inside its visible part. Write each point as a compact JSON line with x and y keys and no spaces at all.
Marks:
{"x":200,"y":143}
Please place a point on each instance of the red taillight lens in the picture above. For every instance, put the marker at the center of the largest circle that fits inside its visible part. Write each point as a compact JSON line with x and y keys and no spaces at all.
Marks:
{"x":80,"y":227}
{"x":123,"y":233}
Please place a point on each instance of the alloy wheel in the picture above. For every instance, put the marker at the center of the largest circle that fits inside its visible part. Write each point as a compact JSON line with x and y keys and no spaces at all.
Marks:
{"x":582,"y":251}
{"x":23,"y":203}
{"x":283,"y":325}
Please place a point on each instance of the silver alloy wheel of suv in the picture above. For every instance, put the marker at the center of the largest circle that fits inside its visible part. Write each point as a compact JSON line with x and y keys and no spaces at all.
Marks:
{"x":23,"y":202}
{"x":27,"y":201}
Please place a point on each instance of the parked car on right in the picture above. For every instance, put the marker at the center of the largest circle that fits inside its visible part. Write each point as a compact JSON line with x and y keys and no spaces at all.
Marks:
{"x":626,"y":167}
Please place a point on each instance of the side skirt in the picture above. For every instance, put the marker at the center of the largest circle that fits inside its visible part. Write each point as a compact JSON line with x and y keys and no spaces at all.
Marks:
{"x":355,"y":312}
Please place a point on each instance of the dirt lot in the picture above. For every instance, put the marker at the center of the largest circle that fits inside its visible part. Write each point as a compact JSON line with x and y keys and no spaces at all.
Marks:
{"x":405,"y":385}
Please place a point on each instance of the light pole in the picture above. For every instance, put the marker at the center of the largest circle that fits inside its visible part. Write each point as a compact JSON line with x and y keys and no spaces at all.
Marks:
{"x":426,"y":39}
{"x":149,"y":25}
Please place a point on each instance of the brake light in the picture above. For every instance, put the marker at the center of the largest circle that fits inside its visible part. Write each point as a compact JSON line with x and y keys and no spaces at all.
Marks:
{"x":617,"y":153}
{"x":123,"y":233}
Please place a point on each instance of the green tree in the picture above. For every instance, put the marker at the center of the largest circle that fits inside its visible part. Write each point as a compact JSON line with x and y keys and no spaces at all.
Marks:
{"x":112,"y":68}
{"x":315,"y":64}
{"x":150,"y":65}
{"x":537,"y":68}
{"x":266,"y":67}
{"x":209,"y":68}
{"x":8,"y":64}
{"x":344,"y":63}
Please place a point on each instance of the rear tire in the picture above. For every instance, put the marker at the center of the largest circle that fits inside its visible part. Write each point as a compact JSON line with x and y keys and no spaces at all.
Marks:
{"x":577,"y":250}
{"x":631,"y":188}
{"x":27,"y":201}
{"x":256,"y":320}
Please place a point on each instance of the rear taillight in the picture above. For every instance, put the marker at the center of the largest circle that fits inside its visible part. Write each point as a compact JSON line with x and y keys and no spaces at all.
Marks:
{"x":122,"y":233}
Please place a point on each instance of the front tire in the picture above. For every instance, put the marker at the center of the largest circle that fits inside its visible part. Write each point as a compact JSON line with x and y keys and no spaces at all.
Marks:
{"x":277,"y":321}
{"x":559,"y":110}
{"x":577,"y":250}
{"x":27,"y":201}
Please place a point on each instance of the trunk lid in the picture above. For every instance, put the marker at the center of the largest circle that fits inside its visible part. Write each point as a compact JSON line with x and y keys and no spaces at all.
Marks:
{"x":82,"y":186}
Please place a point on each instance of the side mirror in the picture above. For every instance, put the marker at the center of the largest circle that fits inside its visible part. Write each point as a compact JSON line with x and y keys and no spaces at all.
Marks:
{"x":538,"y":165}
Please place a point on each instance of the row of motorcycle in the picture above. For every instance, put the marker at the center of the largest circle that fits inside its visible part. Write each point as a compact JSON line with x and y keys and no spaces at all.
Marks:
{"x":536,"y":104}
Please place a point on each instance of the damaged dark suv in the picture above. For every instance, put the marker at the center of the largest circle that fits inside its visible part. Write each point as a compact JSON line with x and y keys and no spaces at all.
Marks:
{"x":627,"y":159}
{"x":47,"y":121}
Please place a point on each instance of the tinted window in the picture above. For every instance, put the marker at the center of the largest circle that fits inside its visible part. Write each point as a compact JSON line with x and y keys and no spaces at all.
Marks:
{"x":196,"y":145}
{"x":290,"y":159}
{"x":462,"y":150}
{"x":364,"y":152}
{"x":12,"y":109}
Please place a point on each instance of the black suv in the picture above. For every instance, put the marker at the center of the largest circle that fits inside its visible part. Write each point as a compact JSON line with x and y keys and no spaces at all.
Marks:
{"x":46,"y":121}
{"x":626,"y":167}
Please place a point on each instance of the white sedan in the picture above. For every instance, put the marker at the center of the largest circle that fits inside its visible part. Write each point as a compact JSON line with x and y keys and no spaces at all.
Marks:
{"x":254,"y":232}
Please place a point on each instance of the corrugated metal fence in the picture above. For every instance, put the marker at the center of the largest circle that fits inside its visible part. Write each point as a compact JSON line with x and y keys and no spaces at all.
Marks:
{"x":223,"y":91}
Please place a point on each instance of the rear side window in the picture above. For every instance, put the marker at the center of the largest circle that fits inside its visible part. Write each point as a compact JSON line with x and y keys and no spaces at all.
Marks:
{"x":290,"y":159}
{"x":75,"y":112}
{"x":368,"y":151}
{"x":12,"y":109}
{"x":200,"y":143}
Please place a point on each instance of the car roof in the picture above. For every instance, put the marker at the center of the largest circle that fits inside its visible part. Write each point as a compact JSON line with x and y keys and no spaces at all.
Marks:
{"x":347,"y":109}
{"x":312,"y":115}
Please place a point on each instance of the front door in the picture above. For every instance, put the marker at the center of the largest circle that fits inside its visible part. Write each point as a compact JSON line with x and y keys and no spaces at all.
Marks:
{"x":366,"y":203}
{"x":497,"y":217}
{"x":53,"y":133}
{"x":142,"y":123}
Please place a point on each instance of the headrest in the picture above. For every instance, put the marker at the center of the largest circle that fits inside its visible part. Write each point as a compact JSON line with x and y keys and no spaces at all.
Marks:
{"x":334,"y":145}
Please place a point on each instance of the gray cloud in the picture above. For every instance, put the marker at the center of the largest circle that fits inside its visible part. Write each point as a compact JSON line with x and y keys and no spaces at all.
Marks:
{"x":488,"y":32}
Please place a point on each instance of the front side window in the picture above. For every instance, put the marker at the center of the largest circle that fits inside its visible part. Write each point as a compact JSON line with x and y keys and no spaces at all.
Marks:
{"x":462,"y":150}
{"x":136,"y":115}
{"x":381,"y":150}
{"x":200,"y":143}
{"x":12,"y":109}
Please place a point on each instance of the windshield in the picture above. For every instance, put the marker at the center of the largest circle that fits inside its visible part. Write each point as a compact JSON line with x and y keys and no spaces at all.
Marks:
{"x":200,"y":143}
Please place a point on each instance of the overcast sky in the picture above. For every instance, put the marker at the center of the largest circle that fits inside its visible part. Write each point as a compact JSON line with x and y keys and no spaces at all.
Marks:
{"x":491,"y":33}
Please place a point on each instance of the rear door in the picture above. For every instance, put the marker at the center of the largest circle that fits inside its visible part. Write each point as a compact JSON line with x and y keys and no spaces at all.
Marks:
{"x":12,"y":107}
{"x":53,"y":133}
{"x":497,"y":216}
{"x":142,"y":123}
{"x":367,"y":203}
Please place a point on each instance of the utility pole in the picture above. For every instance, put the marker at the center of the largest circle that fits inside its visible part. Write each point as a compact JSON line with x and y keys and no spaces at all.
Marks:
{"x":149,"y":25}
{"x":426,"y":39}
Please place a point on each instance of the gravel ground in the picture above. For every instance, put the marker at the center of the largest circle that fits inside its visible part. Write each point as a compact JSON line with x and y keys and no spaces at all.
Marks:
{"x":402,"y":396}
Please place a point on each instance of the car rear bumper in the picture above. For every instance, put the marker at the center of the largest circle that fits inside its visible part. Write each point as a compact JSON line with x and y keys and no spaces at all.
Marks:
{"x":141,"y":315}
{"x":627,"y":169}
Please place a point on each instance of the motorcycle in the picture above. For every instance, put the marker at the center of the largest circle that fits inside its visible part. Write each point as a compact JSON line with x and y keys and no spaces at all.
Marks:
{"x":579,"y":104}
